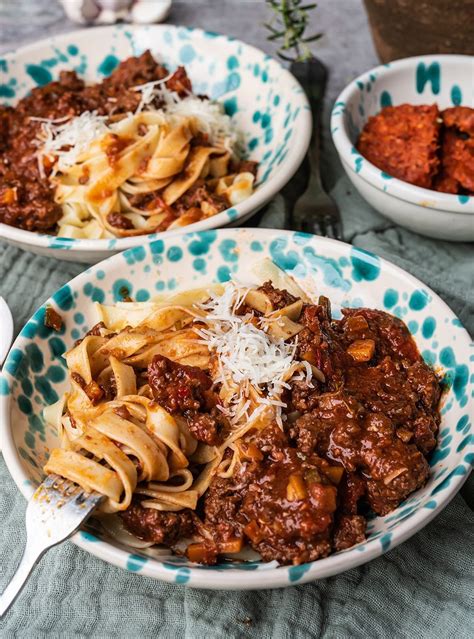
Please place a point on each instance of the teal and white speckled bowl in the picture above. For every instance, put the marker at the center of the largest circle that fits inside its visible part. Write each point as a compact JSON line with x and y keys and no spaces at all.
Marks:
{"x":35,"y":375}
{"x":266,"y":101}
{"x":447,"y":80}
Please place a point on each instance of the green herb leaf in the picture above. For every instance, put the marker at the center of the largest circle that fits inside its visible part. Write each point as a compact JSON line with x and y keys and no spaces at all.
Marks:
{"x":289,"y":24}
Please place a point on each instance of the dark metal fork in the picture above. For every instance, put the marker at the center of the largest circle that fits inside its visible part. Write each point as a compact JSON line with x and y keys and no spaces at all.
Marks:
{"x":314,"y":211}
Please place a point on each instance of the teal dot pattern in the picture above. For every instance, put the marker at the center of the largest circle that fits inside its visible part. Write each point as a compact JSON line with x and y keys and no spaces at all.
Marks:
{"x":108,"y":64}
{"x":385,"y":99}
{"x":35,"y":374}
{"x":456,"y":95}
{"x":428,"y":74}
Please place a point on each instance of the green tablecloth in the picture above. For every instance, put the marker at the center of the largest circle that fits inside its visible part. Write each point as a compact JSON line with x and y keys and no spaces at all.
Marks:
{"x":424,"y":588}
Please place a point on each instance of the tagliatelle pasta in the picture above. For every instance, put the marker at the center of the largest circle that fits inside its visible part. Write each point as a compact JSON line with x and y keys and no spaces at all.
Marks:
{"x":100,"y":437}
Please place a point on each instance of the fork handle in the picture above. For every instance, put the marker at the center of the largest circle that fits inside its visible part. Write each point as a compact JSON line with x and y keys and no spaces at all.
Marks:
{"x":28,"y":562}
{"x":312,"y":75}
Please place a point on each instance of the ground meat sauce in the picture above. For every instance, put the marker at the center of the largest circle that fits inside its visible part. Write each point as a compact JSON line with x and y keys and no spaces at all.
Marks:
{"x":423,"y":146}
{"x":457,"y":161}
{"x":156,"y":526}
{"x":290,"y":506}
{"x":198,"y":194}
{"x":26,"y":197}
{"x":119,"y":221}
{"x":382,"y":419}
{"x":278,"y":298}
{"x":52,"y":319}
{"x":186,"y":390}
{"x":357,"y":440}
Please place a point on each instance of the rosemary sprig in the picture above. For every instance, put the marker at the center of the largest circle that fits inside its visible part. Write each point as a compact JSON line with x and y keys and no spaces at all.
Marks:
{"x":289,"y":24}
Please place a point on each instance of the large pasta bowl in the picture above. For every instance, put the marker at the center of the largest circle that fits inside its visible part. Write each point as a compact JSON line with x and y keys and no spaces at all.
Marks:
{"x":265,"y":101}
{"x":35,"y":376}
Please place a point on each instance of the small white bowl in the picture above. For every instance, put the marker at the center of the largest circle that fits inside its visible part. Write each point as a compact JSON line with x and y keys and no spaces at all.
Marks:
{"x":447,"y":80}
{"x":265,"y":100}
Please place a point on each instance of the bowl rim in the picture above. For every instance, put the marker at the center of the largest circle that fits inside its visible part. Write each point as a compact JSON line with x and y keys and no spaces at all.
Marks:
{"x":296,"y":152}
{"x":369,"y":172}
{"x":240,"y":579}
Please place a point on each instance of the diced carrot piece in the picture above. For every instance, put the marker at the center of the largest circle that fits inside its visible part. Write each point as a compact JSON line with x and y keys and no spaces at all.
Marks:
{"x":296,"y":488}
{"x":357,"y":323}
{"x":250,"y":451}
{"x":311,"y":357}
{"x":253,"y":532}
{"x":47,"y":162}
{"x":335,"y":473}
{"x":231,"y":546}
{"x":199,"y":553}
{"x":8,"y":196}
{"x":362,"y":350}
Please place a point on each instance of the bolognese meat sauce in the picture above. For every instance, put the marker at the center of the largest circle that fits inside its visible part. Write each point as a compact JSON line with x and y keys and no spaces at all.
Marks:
{"x":186,"y":390}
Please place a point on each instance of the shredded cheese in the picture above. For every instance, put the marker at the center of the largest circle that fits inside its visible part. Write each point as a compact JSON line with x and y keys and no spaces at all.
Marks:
{"x":150,"y":91}
{"x":211,"y":119}
{"x":247,"y":355}
{"x":67,"y":141}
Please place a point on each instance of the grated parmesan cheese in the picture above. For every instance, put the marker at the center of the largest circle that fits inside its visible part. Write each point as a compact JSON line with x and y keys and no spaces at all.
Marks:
{"x":247,"y":354}
{"x":150,"y":91}
{"x":211,"y":120}
{"x":69,"y":140}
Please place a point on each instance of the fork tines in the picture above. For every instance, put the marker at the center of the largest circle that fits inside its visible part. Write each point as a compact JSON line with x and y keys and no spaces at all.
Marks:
{"x":62,"y":486}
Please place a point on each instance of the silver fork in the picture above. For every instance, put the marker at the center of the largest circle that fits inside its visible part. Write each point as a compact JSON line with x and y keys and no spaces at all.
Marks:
{"x":314,"y":211}
{"x":54,"y":513}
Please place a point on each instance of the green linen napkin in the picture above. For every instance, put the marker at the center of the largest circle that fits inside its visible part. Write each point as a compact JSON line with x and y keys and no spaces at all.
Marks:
{"x":423,"y":588}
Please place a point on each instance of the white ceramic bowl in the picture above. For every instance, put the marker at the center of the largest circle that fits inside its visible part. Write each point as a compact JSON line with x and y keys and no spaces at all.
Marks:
{"x":34,"y":375}
{"x":447,"y":80}
{"x":267,"y":103}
